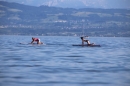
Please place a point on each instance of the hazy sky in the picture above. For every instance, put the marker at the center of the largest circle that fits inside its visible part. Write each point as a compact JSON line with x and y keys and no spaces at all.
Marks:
{"x":88,"y":3}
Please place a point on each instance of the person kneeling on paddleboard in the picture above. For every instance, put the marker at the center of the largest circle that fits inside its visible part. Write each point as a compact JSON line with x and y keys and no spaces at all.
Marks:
{"x":83,"y":40}
{"x":36,"y":40}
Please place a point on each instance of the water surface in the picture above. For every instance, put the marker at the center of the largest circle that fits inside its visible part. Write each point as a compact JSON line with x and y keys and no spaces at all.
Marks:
{"x":58,"y":63}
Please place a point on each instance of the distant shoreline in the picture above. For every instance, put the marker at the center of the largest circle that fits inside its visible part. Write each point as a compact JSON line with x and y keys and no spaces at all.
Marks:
{"x":60,"y":35}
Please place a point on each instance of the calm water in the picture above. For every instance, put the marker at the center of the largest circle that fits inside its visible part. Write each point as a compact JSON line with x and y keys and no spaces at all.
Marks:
{"x":58,"y":63}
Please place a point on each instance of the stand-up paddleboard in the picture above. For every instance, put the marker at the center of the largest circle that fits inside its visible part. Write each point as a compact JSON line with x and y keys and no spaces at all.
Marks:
{"x":94,"y":45}
{"x":32,"y":44}
{"x":24,"y":43}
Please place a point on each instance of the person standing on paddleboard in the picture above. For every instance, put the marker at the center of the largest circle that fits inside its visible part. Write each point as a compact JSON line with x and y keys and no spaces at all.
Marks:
{"x":36,"y":40}
{"x":84,"y":40}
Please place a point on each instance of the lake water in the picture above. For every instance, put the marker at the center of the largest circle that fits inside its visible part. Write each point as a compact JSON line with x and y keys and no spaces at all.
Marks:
{"x":58,"y":63}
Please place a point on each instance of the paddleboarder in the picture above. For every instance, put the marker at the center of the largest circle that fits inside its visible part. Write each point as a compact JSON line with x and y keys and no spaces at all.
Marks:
{"x":36,"y":40}
{"x":84,"y":40}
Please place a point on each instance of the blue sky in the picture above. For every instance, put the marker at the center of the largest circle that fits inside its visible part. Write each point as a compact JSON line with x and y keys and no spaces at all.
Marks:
{"x":78,"y":3}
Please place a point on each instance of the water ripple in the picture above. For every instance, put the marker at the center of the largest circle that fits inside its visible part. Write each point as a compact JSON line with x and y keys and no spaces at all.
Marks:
{"x":58,"y":63}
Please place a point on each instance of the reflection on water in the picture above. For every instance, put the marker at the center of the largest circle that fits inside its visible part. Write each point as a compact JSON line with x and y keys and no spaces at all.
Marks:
{"x":58,"y":63}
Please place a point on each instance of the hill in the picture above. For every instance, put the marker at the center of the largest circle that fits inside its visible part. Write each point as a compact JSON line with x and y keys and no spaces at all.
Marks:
{"x":21,"y":19}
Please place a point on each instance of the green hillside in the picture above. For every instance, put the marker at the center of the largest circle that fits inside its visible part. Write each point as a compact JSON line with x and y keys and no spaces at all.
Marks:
{"x":18,"y":19}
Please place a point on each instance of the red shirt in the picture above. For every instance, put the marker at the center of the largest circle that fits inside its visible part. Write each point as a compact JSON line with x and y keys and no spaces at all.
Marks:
{"x":36,"y":39}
